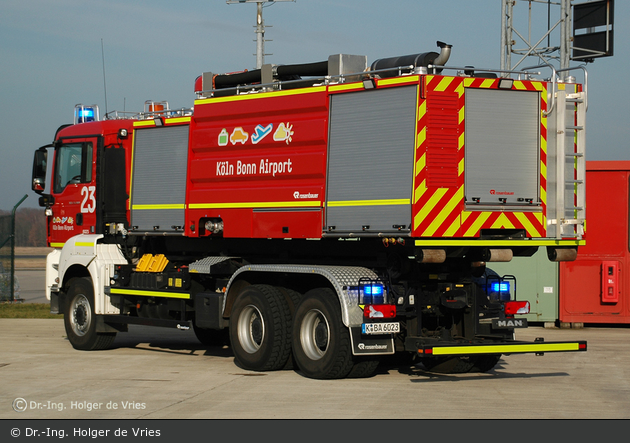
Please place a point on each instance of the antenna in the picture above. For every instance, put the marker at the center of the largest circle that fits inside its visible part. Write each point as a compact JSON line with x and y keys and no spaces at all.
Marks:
{"x":104,"y":82}
{"x":260,"y":27}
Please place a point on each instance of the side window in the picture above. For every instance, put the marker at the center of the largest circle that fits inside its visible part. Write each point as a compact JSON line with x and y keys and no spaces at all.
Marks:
{"x":73,"y":165}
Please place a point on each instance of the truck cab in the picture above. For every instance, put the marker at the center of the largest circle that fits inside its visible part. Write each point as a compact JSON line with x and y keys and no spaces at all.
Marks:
{"x":81,"y":176}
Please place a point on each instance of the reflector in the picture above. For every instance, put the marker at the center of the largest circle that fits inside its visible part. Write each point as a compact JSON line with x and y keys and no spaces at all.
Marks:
{"x":516,"y":307}
{"x":379,"y":311}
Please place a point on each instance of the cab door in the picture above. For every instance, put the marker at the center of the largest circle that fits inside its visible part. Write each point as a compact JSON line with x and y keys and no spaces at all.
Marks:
{"x":73,"y":190}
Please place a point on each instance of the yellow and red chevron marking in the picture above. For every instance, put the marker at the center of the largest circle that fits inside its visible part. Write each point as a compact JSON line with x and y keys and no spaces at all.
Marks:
{"x":438,"y":203}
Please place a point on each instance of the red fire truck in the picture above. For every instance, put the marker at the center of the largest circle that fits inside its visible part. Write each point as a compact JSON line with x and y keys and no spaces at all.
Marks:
{"x":319,"y":215}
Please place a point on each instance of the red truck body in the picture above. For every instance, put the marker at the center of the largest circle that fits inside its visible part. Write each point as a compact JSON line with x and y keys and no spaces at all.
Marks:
{"x":330,"y":217}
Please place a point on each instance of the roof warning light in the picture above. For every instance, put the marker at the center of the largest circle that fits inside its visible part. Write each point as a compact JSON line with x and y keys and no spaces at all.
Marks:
{"x":84,"y":114}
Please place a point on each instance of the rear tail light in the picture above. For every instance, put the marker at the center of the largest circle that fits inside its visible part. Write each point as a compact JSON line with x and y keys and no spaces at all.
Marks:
{"x":379,"y":311}
{"x":516,"y":307}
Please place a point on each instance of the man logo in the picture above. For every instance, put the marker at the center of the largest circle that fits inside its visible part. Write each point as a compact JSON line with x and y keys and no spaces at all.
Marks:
{"x":510,"y":323}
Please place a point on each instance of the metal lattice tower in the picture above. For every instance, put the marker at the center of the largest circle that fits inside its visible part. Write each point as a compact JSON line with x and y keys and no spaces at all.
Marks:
{"x":591,"y":23}
{"x":542,"y":47}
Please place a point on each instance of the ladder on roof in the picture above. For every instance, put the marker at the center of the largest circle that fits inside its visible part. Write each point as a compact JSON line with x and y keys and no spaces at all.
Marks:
{"x":570,"y":163}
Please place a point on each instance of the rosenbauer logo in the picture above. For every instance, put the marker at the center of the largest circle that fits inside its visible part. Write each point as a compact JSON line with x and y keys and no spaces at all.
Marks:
{"x":365,"y":347}
{"x":297,"y":195}
{"x":493,"y":192}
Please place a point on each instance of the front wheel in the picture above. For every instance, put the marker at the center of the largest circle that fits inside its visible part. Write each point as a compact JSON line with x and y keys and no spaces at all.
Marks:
{"x":321,"y":343}
{"x":80,"y":318}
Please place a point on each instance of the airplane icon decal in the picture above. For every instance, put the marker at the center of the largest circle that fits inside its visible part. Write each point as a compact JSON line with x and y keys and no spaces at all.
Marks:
{"x":261,"y":132}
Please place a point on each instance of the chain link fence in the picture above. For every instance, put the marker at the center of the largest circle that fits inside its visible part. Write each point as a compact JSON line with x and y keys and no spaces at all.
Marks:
{"x":9,"y":285}
{"x":6,"y":262}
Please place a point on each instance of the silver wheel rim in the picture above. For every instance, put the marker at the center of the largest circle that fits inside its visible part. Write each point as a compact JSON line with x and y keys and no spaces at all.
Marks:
{"x":251,"y":329}
{"x":315,"y":334}
{"x":81,"y":317}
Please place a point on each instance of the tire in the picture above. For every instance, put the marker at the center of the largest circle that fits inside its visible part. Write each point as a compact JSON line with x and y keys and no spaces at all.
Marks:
{"x":80,"y":320}
{"x":364,"y":368}
{"x":321,"y":342}
{"x":293,"y":299}
{"x":260,"y":329}
{"x":212,"y":337}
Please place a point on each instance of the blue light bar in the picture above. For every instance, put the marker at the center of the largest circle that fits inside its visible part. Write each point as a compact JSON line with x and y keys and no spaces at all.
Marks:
{"x":373,"y":289}
{"x":371,"y":293}
{"x":86,"y":113}
{"x":500,"y":287}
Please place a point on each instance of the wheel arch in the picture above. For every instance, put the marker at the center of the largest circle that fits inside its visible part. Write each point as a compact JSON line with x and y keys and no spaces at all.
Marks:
{"x":337,"y":278}
{"x":74,"y":271}
{"x":84,"y":256}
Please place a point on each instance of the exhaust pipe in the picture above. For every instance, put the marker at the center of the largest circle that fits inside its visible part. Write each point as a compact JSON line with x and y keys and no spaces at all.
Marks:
{"x":445,"y":54}
{"x":417,"y":60}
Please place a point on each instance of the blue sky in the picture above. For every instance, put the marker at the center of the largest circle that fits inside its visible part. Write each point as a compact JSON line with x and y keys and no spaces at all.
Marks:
{"x":50,"y":57}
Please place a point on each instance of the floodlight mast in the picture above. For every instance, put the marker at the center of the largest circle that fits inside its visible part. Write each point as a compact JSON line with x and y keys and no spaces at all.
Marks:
{"x":537,"y":49}
{"x":260,"y":27}
{"x":592,"y":42}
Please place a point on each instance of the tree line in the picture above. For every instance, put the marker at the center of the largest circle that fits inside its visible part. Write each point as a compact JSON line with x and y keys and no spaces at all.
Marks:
{"x":30,"y":227}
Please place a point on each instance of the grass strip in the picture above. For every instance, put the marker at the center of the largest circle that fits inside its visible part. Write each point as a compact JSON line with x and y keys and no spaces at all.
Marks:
{"x":26,"y":310}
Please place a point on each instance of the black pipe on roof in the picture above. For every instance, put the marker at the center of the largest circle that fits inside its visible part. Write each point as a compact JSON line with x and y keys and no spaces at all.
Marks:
{"x":223,"y":81}
{"x":317,"y":69}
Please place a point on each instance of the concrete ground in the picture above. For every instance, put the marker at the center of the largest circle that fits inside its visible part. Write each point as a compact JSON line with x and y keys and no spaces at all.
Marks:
{"x":154,"y":373}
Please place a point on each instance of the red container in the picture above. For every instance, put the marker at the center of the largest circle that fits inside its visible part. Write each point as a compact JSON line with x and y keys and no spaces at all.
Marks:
{"x":595,"y":288}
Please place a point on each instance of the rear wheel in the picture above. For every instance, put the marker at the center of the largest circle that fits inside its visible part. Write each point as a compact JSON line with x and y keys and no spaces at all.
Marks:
{"x":80,"y":318}
{"x":321,"y":343}
{"x":260,"y":330}
{"x":292,"y":298}
{"x":364,"y":367}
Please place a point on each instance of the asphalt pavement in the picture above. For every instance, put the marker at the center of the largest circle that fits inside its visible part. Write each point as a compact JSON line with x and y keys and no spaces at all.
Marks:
{"x":32,"y":285}
{"x":154,"y":373}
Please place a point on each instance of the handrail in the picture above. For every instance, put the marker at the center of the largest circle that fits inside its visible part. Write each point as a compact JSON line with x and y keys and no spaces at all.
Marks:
{"x":475,"y":69}
{"x":131,"y":115}
{"x":326,"y":80}
{"x":585,"y":82}
{"x":528,"y":72}
{"x":554,"y":81}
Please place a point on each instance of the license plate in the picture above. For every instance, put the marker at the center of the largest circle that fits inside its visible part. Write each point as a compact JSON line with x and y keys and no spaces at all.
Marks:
{"x":381,"y":328}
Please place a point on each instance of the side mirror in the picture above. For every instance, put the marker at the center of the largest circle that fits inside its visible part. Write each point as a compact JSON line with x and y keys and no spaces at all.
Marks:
{"x":38,"y":183}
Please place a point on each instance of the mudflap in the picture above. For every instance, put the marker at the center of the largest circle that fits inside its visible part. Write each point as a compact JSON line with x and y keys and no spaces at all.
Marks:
{"x":371,"y":344}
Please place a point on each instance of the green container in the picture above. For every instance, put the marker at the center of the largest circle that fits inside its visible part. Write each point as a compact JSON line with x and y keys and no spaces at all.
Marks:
{"x":536,"y":282}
